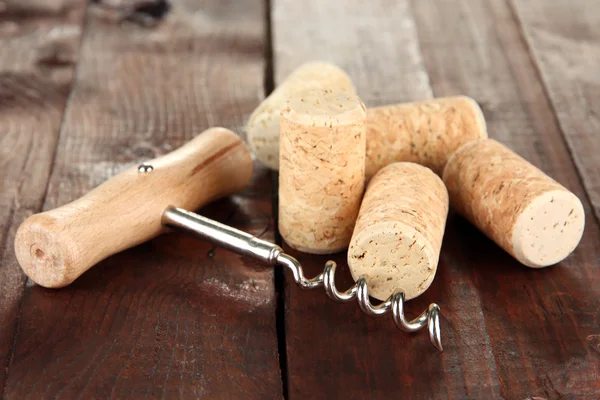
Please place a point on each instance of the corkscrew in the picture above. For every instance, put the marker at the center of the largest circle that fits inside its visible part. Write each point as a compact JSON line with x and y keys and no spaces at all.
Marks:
{"x":269,"y":253}
{"x":55,"y":247}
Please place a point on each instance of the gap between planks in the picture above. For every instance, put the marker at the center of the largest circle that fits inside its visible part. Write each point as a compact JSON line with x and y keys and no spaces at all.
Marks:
{"x":269,"y":86}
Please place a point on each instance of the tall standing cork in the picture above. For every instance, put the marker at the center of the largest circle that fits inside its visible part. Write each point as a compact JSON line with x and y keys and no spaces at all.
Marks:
{"x":263,"y":124}
{"x":523,"y":210}
{"x":425,"y":132}
{"x":398,"y":235}
{"x":322,"y":167}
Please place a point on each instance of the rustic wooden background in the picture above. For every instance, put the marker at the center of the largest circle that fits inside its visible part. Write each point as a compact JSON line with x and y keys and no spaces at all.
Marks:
{"x":87,"y":89}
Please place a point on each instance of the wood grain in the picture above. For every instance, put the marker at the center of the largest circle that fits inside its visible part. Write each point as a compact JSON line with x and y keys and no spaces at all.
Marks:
{"x":539,"y":324}
{"x":564,"y":39}
{"x":34,"y":86}
{"x":375,"y":43}
{"x":174,"y":317}
{"x":508,"y":332}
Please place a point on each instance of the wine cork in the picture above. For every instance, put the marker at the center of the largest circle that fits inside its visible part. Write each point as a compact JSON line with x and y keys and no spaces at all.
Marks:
{"x":322,"y":166}
{"x":263,"y":125}
{"x":398,"y":235}
{"x":523,"y":210}
{"x":425,"y":132}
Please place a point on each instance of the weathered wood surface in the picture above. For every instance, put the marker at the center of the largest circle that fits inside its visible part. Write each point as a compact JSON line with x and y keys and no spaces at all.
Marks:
{"x":509,"y":332}
{"x":34,"y":86}
{"x":174,"y":317}
{"x":564,"y":41}
{"x":541,"y":326}
{"x":375,"y":43}
{"x":177,"y":317}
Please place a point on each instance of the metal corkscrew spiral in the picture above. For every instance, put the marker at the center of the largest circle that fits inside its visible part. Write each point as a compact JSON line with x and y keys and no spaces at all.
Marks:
{"x":360,"y":291}
{"x":246,"y":244}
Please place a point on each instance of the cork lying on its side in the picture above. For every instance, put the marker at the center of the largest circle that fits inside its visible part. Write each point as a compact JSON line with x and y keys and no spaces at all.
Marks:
{"x":322,"y":166}
{"x":425,"y":132}
{"x":398,"y":235}
{"x":263,"y":125}
{"x":523,"y":210}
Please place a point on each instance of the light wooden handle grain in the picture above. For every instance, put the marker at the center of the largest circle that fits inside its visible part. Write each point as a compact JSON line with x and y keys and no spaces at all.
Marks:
{"x":57,"y":246}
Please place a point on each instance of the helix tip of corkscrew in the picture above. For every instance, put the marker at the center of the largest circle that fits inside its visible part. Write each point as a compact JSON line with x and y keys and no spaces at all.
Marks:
{"x":429,"y":318}
{"x":433,"y":326}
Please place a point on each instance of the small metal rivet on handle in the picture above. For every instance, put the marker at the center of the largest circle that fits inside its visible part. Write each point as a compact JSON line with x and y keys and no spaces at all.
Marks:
{"x":269,"y":253}
{"x":145,"y":168}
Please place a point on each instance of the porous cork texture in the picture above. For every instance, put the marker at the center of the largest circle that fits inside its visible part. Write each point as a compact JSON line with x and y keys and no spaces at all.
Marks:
{"x":425,"y":132}
{"x":263,"y":124}
{"x":398,"y":235}
{"x":322,"y":167}
{"x":523,"y":210}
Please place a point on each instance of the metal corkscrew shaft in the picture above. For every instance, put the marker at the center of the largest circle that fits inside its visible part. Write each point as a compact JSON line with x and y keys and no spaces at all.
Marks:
{"x":269,"y":253}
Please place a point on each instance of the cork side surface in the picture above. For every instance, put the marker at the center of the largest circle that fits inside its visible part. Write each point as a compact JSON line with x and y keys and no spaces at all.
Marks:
{"x":263,"y":125}
{"x":322,"y":162}
{"x":425,"y":132}
{"x":399,"y":231}
{"x":515,"y":204}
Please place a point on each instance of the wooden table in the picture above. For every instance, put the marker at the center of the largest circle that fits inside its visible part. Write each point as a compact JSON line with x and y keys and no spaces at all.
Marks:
{"x":86,"y":90}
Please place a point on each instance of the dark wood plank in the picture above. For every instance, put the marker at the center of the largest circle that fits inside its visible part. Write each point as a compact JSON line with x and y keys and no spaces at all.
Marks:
{"x":175,"y":317}
{"x":564,"y":38}
{"x":509,"y":331}
{"x":542,"y":325}
{"x":39,"y":45}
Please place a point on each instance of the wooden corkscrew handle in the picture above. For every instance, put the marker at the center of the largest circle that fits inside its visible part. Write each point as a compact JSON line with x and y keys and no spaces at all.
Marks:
{"x":57,"y":246}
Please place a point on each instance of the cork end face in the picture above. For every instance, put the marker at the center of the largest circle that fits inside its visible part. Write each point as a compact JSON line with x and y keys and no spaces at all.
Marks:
{"x":549,"y":229}
{"x":263,"y":135}
{"x":391,"y":257}
{"x":44,"y":260}
{"x":324,"y":107}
